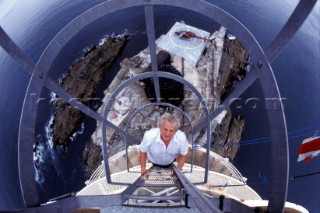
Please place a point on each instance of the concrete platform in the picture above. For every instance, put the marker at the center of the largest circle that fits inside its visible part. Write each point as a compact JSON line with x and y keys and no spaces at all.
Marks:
{"x":190,"y":49}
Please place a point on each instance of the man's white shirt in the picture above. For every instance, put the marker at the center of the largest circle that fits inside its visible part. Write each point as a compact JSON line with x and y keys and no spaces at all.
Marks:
{"x":156,"y":150}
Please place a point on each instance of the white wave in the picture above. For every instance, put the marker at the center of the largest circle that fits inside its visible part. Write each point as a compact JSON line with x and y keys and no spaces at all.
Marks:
{"x":48,"y":132}
{"x":53,"y":97}
{"x":39,"y":157}
{"x":40,"y":154}
{"x":62,"y":77}
{"x":103,"y":40}
{"x":116,"y":37}
{"x":249,"y":65}
{"x":86,"y":49}
{"x":39,"y":177}
{"x":47,"y":152}
{"x":80,"y":131}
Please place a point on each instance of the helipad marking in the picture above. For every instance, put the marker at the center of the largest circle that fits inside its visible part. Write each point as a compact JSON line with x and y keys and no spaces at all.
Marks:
{"x":175,"y":39}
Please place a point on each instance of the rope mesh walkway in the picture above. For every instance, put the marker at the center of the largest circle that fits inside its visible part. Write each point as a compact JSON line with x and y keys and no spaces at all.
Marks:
{"x":118,"y":161}
{"x":218,"y":184}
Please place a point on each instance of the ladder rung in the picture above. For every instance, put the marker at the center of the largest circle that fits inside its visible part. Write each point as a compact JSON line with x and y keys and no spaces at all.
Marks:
{"x":157,"y":185}
{"x":139,"y":197}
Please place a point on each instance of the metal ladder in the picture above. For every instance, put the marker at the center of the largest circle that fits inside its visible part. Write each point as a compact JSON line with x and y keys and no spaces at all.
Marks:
{"x":166,"y":188}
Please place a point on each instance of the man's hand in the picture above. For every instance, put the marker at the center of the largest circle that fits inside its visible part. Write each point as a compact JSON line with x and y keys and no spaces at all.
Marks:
{"x":143,"y":161}
{"x":143,"y":172}
{"x":181,"y":160}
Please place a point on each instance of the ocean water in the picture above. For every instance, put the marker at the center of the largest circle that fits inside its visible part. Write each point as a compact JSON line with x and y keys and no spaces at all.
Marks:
{"x":32,"y":24}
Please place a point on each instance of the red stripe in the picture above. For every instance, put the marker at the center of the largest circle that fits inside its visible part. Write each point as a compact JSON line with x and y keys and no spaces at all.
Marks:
{"x":308,"y":159}
{"x":313,"y":145}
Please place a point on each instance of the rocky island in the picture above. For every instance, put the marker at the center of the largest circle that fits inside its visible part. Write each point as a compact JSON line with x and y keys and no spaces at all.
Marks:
{"x":221,"y":65}
{"x":81,"y":82}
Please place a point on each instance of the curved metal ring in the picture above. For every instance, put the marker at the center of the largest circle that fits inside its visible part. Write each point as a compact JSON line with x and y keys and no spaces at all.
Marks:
{"x":140,"y":77}
{"x":277,"y":194}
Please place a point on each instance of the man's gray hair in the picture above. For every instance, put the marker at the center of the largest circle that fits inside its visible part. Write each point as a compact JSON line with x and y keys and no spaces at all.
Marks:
{"x":171,"y":118}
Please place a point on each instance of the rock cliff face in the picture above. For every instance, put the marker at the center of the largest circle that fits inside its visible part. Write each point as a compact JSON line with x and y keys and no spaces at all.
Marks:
{"x":235,"y":59}
{"x":221,"y":66}
{"x":81,"y":82}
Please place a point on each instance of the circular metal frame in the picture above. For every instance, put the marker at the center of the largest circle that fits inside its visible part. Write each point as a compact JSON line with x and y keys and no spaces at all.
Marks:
{"x":261,"y":69}
{"x":155,"y":75}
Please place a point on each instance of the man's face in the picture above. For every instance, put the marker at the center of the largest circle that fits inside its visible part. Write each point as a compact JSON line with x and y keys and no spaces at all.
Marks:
{"x":167,"y":130}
